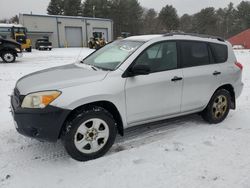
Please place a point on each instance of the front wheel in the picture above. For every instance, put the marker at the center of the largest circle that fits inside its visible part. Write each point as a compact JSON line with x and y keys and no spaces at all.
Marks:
{"x":218,"y":107}
{"x":90,"y":134}
{"x":8,"y":57}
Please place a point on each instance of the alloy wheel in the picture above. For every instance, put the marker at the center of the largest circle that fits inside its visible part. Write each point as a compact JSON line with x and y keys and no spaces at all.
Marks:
{"x":220,"y":106}
{"x":91,"y":136}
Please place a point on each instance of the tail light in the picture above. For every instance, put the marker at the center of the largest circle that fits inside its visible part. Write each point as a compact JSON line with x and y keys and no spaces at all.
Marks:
{"x":239,"y":65}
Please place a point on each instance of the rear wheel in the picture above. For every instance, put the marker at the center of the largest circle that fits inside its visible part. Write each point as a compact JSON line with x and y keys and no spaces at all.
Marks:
{"x":218,"y":107}
{"x":90,"y":134}
{"x":91,"y":45}
{"x":8,"y":57}
{"x":29,"y":49}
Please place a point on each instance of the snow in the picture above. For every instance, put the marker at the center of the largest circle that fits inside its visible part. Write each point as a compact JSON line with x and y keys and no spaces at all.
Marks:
{"x":181,"y":152}
{"x":10,"y":25}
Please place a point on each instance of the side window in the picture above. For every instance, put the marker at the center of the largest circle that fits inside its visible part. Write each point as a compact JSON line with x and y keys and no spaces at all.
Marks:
{"x":219,"y":52}
{"x":159,"y":57}
{"x":194,"y":54}
{"x":155,"y":51}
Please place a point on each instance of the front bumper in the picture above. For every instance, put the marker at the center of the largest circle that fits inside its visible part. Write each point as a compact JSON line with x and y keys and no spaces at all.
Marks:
{"x":238,"y":89}
{"x":41,"y":124}
{"x":45,"y":47}
{"x":19,"y":55}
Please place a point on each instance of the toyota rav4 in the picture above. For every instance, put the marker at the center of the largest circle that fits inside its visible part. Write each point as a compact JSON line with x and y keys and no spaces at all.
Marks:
{"x":128,"y":82}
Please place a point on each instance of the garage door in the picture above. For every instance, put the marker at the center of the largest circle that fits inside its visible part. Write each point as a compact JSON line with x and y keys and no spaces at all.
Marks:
{"x":104,"y":32}
{"x":74,"y":36}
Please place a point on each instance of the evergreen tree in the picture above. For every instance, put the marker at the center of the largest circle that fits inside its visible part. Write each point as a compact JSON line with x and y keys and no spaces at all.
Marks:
{"x":205,"y":21}
{"x":14,"y":19}
{"x":96,"y":8}
{"x":150,"y":22}
{"x":227,"y":21}
{"x":127,"y":16}
{"x":243,"y":14}
{"x":186,"y":23}
{"x":135,"y":12}
{"x":55,"y":7}
{"x":72,"y":7}
{"x":168,"y":18}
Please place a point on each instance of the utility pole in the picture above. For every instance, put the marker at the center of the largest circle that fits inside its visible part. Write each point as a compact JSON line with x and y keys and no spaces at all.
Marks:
{"x":93,"y":11}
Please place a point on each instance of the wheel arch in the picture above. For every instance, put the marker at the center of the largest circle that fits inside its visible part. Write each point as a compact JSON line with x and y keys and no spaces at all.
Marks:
{"x":230,"y":89}
{"x":7,"y":49}
{"x":107,"y":105}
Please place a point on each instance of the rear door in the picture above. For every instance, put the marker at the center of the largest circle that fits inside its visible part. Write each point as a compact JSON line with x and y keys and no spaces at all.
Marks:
{"x":201,"y":75}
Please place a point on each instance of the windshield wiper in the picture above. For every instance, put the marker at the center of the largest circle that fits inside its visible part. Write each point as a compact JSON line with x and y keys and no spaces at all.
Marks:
{"x":104,"y":68}
{"x":93,"y":67}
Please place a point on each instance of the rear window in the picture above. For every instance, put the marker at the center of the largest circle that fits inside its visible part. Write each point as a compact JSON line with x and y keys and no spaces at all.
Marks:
{"x":194,"y":54}
{"x":220,"y":52}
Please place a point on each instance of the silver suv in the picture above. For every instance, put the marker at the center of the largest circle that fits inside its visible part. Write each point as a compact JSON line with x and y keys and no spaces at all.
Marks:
{"x":134,"y":81}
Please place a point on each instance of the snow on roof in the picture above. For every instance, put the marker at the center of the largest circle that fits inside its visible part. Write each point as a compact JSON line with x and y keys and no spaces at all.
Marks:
{"x":10,"y":25}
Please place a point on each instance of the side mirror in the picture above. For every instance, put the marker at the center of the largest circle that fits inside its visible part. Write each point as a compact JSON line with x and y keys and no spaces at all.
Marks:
{"x":140,"y":70}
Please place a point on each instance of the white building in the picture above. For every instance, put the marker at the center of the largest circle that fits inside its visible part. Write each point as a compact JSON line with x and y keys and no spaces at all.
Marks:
{"x":65,"y":31}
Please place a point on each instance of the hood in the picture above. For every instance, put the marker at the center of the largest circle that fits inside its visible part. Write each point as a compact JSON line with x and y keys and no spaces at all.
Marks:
{"x":10,"y":41}
{"x":59,"y":77}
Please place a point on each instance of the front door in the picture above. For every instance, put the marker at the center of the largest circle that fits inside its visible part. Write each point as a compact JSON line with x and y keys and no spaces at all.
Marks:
{"x":158,"y":94}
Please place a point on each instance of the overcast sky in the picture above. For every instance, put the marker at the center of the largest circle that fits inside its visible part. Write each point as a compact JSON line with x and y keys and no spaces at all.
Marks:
{"x":9,"y":8}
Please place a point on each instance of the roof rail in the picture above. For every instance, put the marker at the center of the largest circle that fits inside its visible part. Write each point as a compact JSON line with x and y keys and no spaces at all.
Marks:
{"x":195,"y":35}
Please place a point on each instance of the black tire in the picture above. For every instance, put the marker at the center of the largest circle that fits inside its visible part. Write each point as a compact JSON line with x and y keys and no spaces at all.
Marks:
{"x":78,"y":120}
{"x":29,"y":49}
{"x":8,"y":57}
{"x":91,"y":45}
{"x":50,"y":49}
{"x":216,"y":111}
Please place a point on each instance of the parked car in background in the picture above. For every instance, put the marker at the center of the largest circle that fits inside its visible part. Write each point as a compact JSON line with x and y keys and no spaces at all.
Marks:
{"x":9,"y":50}
{"x":43,"y":44}
{"x":238,"y":47}
{"x":129,"y":82}
{"x":18,"y":33}
{"x":124,"y":35}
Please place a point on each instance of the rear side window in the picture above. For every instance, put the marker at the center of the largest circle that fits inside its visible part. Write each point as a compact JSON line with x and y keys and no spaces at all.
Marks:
{"x":219,"y":52}
{"x":194,"y":53}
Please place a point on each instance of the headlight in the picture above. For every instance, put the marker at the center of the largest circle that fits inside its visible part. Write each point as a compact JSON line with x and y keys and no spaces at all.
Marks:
{"x":18,"y":49}
{"x":40,"y":99}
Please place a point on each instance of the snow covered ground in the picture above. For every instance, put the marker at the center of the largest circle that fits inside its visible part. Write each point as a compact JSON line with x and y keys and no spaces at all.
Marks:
{"x":181,"y":152}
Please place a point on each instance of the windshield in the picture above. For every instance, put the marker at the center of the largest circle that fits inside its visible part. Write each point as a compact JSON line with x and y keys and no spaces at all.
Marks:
{"x":19,"y":29}
{"x":112,"y":55}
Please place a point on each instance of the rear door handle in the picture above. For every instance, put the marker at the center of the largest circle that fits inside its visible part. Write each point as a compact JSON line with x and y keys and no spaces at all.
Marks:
{"x":176,"y":78}
{"x":216,"y":73}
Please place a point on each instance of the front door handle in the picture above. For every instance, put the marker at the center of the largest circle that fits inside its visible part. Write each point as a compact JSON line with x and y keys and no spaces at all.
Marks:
{"x":216,"y":73}
{"x":176,"y":78}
